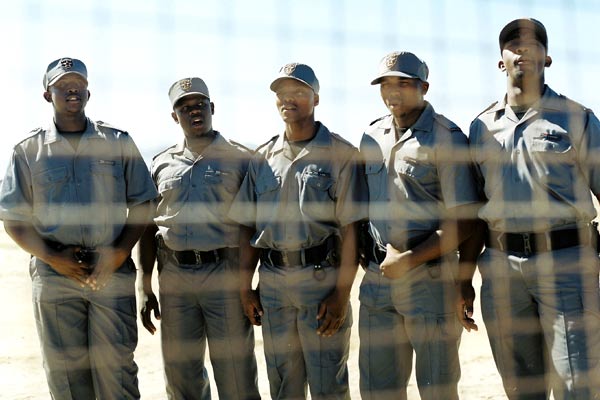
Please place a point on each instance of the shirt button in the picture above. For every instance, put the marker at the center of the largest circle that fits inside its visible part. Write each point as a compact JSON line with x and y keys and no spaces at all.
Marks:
{"x":517,"y":151}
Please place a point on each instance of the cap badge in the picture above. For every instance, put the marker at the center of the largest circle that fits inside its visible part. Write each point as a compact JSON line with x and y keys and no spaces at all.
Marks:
{"x":391,"y":59}
{"x":185,"y":84}
{"x":66,"y":63}
{"x":289,"y":68}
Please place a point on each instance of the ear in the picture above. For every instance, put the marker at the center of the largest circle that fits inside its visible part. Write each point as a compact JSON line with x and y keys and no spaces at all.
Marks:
{"x":501,"y":66}
{"x":316,"y":101}
{"x":212,"y":108}
{"x":89,"y":95}
{"x":175,"y":117}
{"x":47,"y":96}
{"x":548,"y":61}
{"x":424,"y":87}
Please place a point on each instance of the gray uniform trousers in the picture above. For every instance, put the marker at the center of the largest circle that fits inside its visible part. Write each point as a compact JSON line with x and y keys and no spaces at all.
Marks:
{"x":200,"y":304}
{"x":544,"y":307}
{"x":87,"y":337}
{"x":295,"y":354}
{"x":397,"y":317}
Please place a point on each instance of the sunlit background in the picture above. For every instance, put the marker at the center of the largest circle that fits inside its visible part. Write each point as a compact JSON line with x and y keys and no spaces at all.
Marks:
{"x":135,"y":49}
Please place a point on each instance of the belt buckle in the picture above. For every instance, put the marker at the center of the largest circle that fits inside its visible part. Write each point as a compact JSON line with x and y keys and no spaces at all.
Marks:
{"x":284,"y":258}
{"x":499,"y":240}
{"x":198,"y":257}
{"x":527,"y":243}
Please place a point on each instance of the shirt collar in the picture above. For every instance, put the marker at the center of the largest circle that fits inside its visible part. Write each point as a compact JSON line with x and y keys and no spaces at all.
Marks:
{"x":550,"y":100}
{"x":53,"y":135}
{"x":321,"y":139}
{"x":423,"y":123}
{"x":217,"y":144}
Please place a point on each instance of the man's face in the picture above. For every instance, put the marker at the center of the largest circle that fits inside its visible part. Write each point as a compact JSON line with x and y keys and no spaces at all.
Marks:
{"x":403,"y":96}
{"x":524,"y":56}
{"x":68,"y":95}
{"x":194,"y":114}
{"x":295,"y":100}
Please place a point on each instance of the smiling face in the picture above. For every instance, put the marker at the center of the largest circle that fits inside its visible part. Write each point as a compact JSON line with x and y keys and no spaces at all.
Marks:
{"x":69,"y":95}
{"x":295,"y":101}
{"x":194,"y":114}
{"x":524,"y":56}
{"x":404,"y":97}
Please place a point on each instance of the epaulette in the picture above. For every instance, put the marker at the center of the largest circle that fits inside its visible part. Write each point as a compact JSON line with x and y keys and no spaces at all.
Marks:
{"x":573,"y":105}
{"x":487,"y":108}
{"x":105,"y":127}
{"x":31,"y":134}
{"x":238,"y":144}
{"x":341,"y":138}
{"x":378,"y":119}
{"x":163,"y":151}
{"x":446,"y":123}
{"x":274,"y":138}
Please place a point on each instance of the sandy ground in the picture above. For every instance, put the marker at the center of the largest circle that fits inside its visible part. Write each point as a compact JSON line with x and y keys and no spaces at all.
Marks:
{"x":22,"y":374}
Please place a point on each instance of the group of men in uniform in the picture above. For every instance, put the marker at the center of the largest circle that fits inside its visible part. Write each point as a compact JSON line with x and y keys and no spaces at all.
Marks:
{"x":414,"y":206}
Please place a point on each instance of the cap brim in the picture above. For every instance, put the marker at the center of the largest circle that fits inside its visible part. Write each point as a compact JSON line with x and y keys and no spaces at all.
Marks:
{"x":188,"y":94}
{"x":57,"y":78}
{"x":377,"y":80}
{"x":276,"y":82}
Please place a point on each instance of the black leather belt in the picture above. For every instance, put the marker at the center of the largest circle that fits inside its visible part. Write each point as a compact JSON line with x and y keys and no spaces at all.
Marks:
{"x":377,"y":255}
{"x":194,"y":257}
{"x":87,"y":255}
{"x":529,"y":243}
{"x":317,"y":255}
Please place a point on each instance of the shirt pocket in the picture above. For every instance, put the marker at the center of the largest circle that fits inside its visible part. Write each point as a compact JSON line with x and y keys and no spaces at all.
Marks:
{"x":226,"y":180}
{"x":422,"y":173}
{"x":376,"y":179}
{"x":267,"y":189}
{"x":553,"y":148}
{"x":108,"y":180}
{"x":170,"y":195}
{"x":50,"y":186}
{"x":317,"y":199}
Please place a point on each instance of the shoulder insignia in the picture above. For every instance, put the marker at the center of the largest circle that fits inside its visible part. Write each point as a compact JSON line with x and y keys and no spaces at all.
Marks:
{"x":241,"y":146}
{"x":378,"y":119}
{"x":31,"y":134}
{"x":105,"y":127}
{"x":487,"y":108}
{"x":273,"y":139}
{"x":446,"y":123}
{"x":163,"y":151}
{"x":342,"y":139}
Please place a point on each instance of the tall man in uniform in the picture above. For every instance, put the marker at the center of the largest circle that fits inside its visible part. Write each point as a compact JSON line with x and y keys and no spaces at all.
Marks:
{"x":77,"y":197}
{"x":421,"y":191}
{"x":537,"y":156}
{"x":299,"y":203}
{"x":196,"y":246}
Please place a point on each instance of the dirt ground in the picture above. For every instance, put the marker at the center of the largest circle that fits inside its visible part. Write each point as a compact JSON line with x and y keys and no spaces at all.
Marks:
{"x":22,"y":374}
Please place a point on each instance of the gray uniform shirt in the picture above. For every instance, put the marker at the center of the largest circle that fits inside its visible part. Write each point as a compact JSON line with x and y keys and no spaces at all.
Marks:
{"x":298,"y":202}
{"x":75,"y":197}
{"x":537,"y":172}
{"x":196,"y":194}
{"x":415,"y":179}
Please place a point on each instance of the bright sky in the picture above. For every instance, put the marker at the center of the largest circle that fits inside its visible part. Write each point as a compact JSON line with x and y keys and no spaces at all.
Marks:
{"x":135,"y":49}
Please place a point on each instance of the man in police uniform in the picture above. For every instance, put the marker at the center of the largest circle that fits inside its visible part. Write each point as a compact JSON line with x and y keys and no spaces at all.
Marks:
{"x":198,"y":256}
{"x":77,"y":196}
{"x":537,"y":156}
{"x":421,"y":189}
{"x":299,"y":204}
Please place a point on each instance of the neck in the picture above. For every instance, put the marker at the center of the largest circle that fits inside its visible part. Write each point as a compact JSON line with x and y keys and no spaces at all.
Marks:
{"x":70,"y":123}
{"x":302,"y":130}
{"x":524,"y":92}
{"x":409,"y":118}
{"x":197,"y":144}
